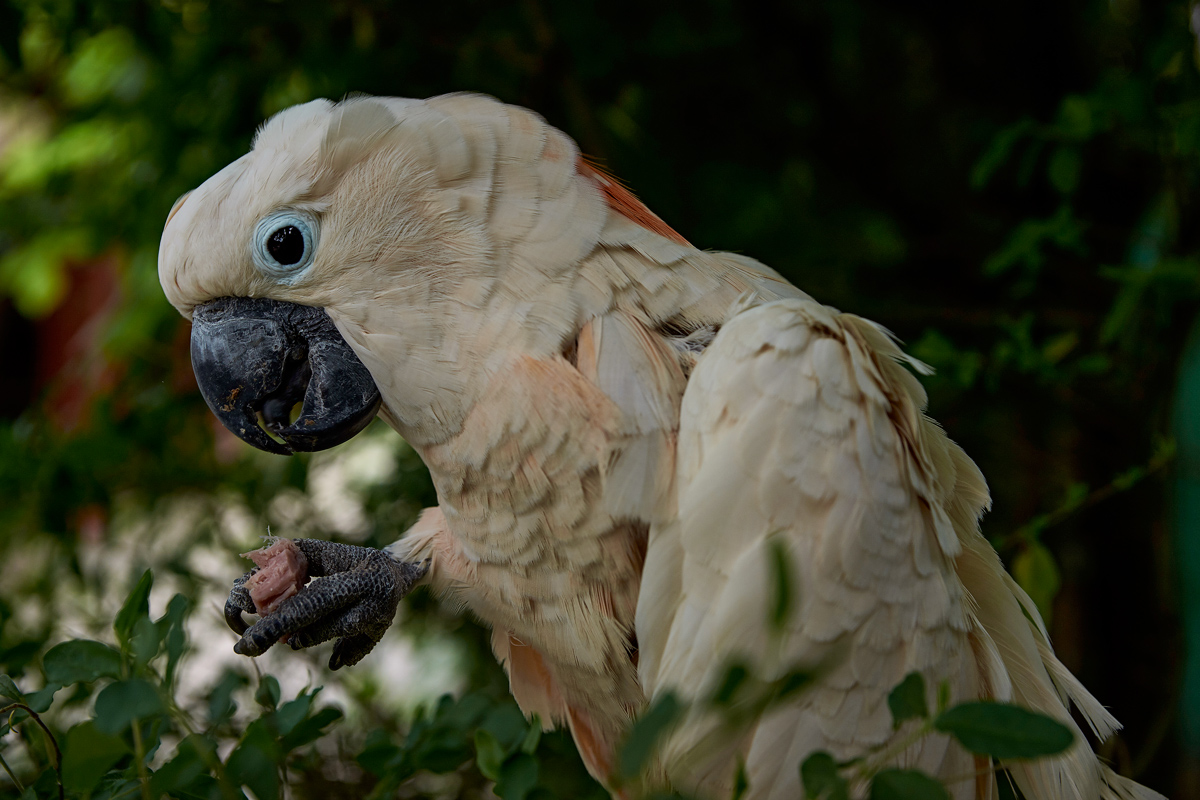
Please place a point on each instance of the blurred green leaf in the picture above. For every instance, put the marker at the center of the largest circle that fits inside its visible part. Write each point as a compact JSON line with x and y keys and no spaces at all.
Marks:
{"x":176,"y":637}
{"x":489,"y":755}
{"x":1064,"y":168}
{"x":9,"y":689}
{"x":147,"y":636}
{"x":645,"y":733}
{"x":105,"y":64}
{"x":137,"y":606}
{"x":1075,"y":119}
{"x":191,"y":763}
{"x":42,"y":699}
{"x":735,"y":678}
{"x":741,"y":781}
{"x":1037,"y":573}
{"x":292,"y":712}
{"x":254,"y":763}
{"x":906,"y":784}
{"x":533,"y":735}
{"x":998,"y":152}
{"x":220,"y":700}
{"x":267,"y":694}
{"x":819,"y":774}
{"x":120,"y":703}
{"x":80,"y":660}
{"x":907,"y":700}
{"x":88,"y":753}
{"x":781,"y":584}
{"x":518,"y":776}
{"x":1004,"y":731}
{"x":311,"y":728}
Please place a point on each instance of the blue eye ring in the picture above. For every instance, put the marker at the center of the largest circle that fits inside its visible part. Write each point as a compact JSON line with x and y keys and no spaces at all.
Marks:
{"x":285,"y":244}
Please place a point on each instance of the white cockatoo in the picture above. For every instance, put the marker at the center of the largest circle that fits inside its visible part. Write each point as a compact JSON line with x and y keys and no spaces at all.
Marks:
{"x":627,"y":436}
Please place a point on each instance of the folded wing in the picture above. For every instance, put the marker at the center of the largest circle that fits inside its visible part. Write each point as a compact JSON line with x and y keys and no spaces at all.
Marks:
{"x":802,"y":435}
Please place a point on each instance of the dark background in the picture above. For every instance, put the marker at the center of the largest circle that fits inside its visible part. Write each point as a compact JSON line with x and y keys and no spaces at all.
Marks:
{"x":1010,"y":187}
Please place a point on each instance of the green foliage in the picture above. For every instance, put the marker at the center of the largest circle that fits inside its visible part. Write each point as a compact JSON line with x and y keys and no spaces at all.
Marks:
{"x":647,"y":731}
{"x":140,"y":733}
{"x":821,"y":779}
{"x":1004,"y":731}
{"x":907,"y":700}
{"x":906,"y":784}
{"x":1001,"y":731}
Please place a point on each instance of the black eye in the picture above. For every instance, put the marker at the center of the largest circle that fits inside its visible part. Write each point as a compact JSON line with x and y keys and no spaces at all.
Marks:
{"x":286,"y":245}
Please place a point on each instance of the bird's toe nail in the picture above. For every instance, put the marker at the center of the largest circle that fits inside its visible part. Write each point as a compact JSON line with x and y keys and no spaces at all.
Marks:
{"x":233,"y":618}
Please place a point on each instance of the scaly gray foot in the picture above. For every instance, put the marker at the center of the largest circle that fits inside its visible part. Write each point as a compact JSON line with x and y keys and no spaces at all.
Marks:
{"x":352,"y":598}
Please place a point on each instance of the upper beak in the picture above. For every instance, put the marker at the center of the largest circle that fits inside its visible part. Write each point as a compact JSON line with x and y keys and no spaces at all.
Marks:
{"x":258,"y":355}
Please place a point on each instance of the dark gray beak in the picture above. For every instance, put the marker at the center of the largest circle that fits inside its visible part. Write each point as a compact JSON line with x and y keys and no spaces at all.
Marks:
{"x":256,"y":356}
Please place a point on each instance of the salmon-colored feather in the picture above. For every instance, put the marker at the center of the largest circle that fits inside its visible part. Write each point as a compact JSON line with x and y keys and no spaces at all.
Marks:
{"x":624,"y":202}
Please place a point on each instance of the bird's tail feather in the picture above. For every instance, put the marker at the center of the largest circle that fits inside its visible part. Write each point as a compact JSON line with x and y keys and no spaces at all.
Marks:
{"x":1007,"y":621}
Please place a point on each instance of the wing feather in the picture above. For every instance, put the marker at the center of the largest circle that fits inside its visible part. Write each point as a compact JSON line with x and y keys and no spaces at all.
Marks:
{"x":800,"y":426}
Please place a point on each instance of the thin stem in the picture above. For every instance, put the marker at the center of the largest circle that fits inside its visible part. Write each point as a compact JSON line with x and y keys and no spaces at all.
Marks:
{"x":1123,"y":482}
{"x":139,"y":751}
{"x":214,"y":764}
{"x":53,"y":742}
{"x":11,"y":776}
{"x":874,"y":761}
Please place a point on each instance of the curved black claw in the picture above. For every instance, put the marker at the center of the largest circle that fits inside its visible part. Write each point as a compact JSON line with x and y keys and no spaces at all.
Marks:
{"x":239,"y":601}
{"x":353,"y":598}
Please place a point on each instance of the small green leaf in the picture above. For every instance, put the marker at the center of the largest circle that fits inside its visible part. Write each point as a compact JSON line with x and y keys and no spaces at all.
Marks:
{"x":379,"y":754}
{"x":9,"y":689}
{"x":943,"y":697}
{"x":43,"y":698}
{"x":819,"y":774}
{"x":518,"y":776}
{"x":145,"y":641}
{"x":1064,"y":168}
{"x":187,"y":765}
{"x":532,"y":736}
{"x":1075,"y":117}
{"x":644,"y":735}
{"x":741,"y":781}
{"x":291,"y":713}
{"x":255,"y":761}
{"x":80,"y":661}
{"x":311,"y":728}
{"x":907,"y":701}
{"x":267,"y":694}
{"x":1037,"y":573}
{"x":1004,"y":731}
{"x":176,"y":638}
{"x":137,"y":605}
{"x":507,"y":724}
{"x":88,"y":753}
{"x":489,"y":755}
{"x":781,"y":585}
{"x":998,"y":152}
{"x":794,"y":681}
{"x":732,"y":681}
{"x":122,"y":702}
{"x":906,"y":784}
{"x":220,"y":700}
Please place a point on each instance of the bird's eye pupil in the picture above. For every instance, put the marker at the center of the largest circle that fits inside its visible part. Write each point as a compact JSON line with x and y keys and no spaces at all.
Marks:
{"x":286,"y":245}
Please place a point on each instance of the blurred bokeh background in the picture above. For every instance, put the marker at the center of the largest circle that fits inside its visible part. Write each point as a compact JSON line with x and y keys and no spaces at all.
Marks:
{"x":1012,"y":188}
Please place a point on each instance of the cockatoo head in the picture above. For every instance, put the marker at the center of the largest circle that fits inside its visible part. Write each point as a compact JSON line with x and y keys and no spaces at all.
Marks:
{"x":377,"y":251}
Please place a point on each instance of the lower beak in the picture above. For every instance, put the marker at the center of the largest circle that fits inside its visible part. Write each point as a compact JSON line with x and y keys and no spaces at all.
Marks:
{"x":259,"y":356}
